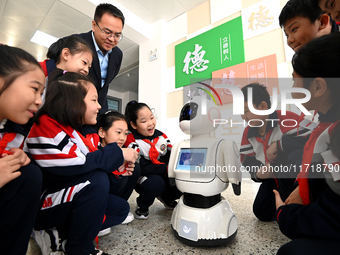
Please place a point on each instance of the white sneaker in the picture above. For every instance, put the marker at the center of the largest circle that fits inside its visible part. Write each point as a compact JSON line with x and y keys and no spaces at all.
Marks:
{"x":99,"y":252}
{"x":47,"y":240}
{"x":104,"y":232}
{"x":128,"y":219}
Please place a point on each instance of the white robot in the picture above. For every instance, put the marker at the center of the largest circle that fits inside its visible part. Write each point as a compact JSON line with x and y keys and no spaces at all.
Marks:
{"x":202,"y":168}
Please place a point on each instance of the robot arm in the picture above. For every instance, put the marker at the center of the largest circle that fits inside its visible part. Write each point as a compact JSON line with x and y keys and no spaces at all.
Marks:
{"x":233,"y":164}
{"x":172,"y":164}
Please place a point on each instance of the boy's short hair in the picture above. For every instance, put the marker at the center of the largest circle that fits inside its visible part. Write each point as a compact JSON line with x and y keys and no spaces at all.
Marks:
{"x":260,"y":94}
{"x":299,"y":8}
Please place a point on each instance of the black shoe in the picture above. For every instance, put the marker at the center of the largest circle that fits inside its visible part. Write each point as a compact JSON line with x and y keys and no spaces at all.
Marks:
{"x":142,"y":213}
{"x":98,"y":252}
{"x":168,"y":205}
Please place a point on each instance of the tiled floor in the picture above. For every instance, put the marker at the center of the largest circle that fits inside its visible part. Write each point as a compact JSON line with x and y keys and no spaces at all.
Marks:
{"x":155,"y":236}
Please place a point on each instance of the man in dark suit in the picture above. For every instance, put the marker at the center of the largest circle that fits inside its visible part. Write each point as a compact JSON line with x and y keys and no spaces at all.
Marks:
{"x":106,"y":33}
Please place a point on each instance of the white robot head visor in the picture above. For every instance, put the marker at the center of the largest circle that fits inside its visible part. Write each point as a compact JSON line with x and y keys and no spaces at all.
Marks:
{"x":188,"y":112}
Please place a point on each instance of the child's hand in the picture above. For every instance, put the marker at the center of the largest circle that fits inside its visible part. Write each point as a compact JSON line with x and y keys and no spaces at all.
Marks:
{"x":8,"y":168}
{"x":130,"y":155}
{"x":272,"y":152}
{"x":294,"y":197}
{"x":20,"y":154}
{"x":127,"y":173}
{"x":129,"y":167}
{"x":122,"y":167}
{"x":278,"y":199}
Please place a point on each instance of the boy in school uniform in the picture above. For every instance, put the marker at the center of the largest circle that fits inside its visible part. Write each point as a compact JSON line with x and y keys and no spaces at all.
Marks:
{"x":302,"y":21}
{"x":271,"y":149}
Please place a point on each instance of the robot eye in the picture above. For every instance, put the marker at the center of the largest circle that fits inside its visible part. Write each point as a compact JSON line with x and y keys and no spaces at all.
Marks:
{"x":188,"y":112}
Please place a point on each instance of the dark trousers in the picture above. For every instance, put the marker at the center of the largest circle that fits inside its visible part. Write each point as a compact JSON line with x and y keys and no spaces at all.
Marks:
{"x":19,"y":205}
{"x":116,"y":211}
{"x":123,"y":188}
{"x":76,"y":208}
{"x":264,"y":206}
{"x":156,"y":186}
{"x":152,"y":187}
{"x":310,"y":246}
{"x":170,"y":193}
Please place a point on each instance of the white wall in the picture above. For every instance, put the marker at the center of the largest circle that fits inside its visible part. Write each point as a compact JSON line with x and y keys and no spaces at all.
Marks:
{"x":152,"y":89}
{"x":157,"y":77}
{"x":126,"y":97}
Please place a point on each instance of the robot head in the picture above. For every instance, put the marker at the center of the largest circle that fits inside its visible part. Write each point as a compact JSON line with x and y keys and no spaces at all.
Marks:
{"x":197,"y":116}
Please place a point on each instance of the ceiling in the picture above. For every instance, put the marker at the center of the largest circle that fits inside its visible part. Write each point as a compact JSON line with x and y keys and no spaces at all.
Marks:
{"x":19,"y":19}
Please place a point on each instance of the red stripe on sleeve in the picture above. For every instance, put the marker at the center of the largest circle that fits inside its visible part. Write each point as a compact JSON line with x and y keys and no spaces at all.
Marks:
{"x":70,"y":194}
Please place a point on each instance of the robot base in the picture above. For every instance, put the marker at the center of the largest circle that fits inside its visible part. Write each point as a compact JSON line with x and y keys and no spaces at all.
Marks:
{"x":214,"y":226}
{"x":204,"y":242}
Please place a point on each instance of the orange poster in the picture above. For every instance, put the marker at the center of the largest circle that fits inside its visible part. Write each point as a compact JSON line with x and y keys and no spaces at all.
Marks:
{"x":261,"y":70}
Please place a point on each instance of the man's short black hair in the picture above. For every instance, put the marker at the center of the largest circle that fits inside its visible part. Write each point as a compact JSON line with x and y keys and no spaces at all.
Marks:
{"x":260,"y":94}
{"x":110,"y":9}
{"x":299,"y":8}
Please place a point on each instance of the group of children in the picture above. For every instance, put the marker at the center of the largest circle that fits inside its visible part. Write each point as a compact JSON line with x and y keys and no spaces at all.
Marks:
{"x":68,"y":178}
{"x":305,"y":200}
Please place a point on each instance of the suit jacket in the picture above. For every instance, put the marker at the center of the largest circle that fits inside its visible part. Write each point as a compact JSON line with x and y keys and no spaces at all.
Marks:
{"x":115,"y":60}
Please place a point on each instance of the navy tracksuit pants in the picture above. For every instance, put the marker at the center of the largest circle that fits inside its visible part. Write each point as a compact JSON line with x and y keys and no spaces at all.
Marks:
{"x":155,"y":186}
{"x":19,"y":205}
{"x":310,"y":246}
{"x":264,"y":206}
{"x":124,"y":186}
{"x":76,"y":208}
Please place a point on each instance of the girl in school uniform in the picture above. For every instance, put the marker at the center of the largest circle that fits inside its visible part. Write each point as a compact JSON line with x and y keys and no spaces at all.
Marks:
{"x":75,"y":199}
{"x":154,"y":149}
{"x":22,"y":82}
{"x":71,"y":54}
{"x":112,"y":128}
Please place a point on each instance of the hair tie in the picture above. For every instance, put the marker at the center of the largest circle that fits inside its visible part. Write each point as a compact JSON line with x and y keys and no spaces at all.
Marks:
{"x":64,"y":72}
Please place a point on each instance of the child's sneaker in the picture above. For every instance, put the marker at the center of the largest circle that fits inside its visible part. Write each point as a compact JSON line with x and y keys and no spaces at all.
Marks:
{"x":128,"y":218}
{"x":104,"y":232}
{"x":142,"y":213}
{"x":99,"y":252}
{"x":168,"y":205}
{"x":48,"y":241}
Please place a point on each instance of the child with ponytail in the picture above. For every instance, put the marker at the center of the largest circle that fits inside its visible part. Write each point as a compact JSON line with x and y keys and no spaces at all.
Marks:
{"x":154,"y":149}
{"x":22,"y":82}
{"x":75,"y":199}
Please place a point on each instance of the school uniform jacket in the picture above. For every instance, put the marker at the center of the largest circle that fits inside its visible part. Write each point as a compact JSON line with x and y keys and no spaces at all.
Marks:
{"x":114,"y":176}
{"x":12,"y":135}
{"x":148,"y":158}
{"x":319,"y":217}
{"x":48,"y":66}
{"x":115,"y":60}
{"x":335,"y":27}
{"x":253,"y":146}
{"x":62,"y":154}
